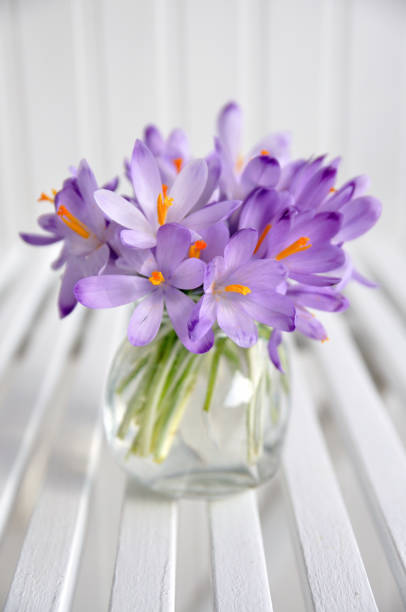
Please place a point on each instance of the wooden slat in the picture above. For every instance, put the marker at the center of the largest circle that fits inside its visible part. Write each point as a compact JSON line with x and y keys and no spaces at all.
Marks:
{"x":382,"y":330}
{"x":46,"y":571}
{"x":238,"y":562}
{"x":334,"y":576}
{"x":146,"y":557}
{"x":21,"y":311}
{"x":376,"y":450}
{"x":21,"y":429}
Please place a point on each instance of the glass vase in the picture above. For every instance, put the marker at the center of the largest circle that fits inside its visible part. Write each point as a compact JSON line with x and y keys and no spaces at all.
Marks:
{"x":189,"y":425}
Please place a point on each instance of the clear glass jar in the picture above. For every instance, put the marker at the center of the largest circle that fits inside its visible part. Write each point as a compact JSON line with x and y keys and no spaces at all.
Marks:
{"x":190,"y":425}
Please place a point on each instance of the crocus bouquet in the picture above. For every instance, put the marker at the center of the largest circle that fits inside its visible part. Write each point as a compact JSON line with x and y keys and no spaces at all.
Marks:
{"x":244,"y":244}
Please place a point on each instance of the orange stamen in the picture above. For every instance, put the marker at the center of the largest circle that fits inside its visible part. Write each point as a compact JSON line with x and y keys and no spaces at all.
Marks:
{"x":46,"y":198}
{"x":73,"y":223}
{"x":156,"y":278}
{"x":262,"y":237}
{"x":326,"y":339}
{"x":238,"y":289}
{"x":239,"y":163}
{"x":163,"y":203}
{"x":264,"y":152}
{"x":332,"y":189}
{"x":178,"y":164}
{"x":194,"y":250}
{"x":296,"y":247}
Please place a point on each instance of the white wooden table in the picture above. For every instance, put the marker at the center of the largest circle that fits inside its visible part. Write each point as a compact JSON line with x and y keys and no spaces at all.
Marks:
{"x":76,"y":536}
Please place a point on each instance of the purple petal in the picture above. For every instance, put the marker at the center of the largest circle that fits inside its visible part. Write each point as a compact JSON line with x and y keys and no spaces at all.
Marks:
{"x":96,"y":261}
{"x":274,"y":341}
{"x":111,"y":290}
{"x":112,"y":184}
{"x":216,"y":238}
{"x":261,"y":171}
{"x":146,"y":180}
{"x":137,"y":239}
{"x":362,"y":280}
{"x":258,"y":274}
{"x":317,"y":189}
{"x":122,"y":211}
{"x":146,"y":319}
{"x":188,"y":275}
{"x":180,"y":307}
{"x":202,"y":317}
{"x":213,"y":174}
{"x":272,"y":309}
{"x":210,"y":214}
{"x":61,"y":259}
{"x":322,"y":299}
{"x":50,"y":223}
{"x":87,"y":185}
{"x":173,"y":243}
{"x":187,"y":189}
{"x":153,"y":139}
{"x":66,"y":298}
{"x":358,"y":217}
{"x":319,"y":228}
{"x":259,"y":209}
{"x":350,"y":190}
{"x":240,"y":248}
{"x":309,"y":326}
{"x":316,"y":259}
{"x":316,"y":280}
{"x":229,"y":129}
{"x":178,"y":145}
{"x":277,"y":144}
{"x":38,"y":239}
{"x":233,"y":320}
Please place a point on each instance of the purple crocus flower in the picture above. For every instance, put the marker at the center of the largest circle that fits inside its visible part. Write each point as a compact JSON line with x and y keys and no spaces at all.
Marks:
{"x":80,"y":224}
{"x":165,"y":274}
{"x":239,"y":290}
{"x":157,"y":205}
{"x":261,"y":168}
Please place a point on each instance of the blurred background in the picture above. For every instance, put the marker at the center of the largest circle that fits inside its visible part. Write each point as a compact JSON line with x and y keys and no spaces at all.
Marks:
{"x":81,"y":78}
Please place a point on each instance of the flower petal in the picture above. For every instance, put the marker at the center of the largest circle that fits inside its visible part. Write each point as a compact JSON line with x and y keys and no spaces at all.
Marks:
{"x":350,"y":190}
{"x":309,"y":326}
{"x":189,"y":274}
{"x":153,"y":139}
{"x":138,"y":239}
{"x":272,"y":309}
{"x":233,"y":320}
{"x":210,"y":214}
{"x":50,"y":223}
{"x":216,"y":238}
{"x":319,"y":228}
{"x":258,"y":274}
{"x":277,"y":144}
{"x":173,"y":241}
{"x":240,"y":248}
{"x":202,"y":317}
{"x":38,"y":239}
{"x":358,"y":217}
{"x":178,"y":144}
{"x":317,"y":188}
{"x":187,"y":189}
{"x":121,"y":210}
{"x":259,"y":208}
{"x":146,"y":180}
{"x":320,"y":298}
{"x":146,"y":319}
{"x":111,"y":290}
{"x":229,"y":129}
{"x":317,"y":280}
{"x":213,"y":174}
{"x":180,"y":307}
{"x":66,"y":298}
{"x":261,"y":171}
{"x":274,"y":341}
{"x":316,"y":259}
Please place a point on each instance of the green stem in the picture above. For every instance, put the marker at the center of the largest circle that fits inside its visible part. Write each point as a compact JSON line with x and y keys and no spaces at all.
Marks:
{"x":213,"y":373}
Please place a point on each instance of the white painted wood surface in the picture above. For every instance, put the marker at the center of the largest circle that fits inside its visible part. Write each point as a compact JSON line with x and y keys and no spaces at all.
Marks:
{"x":334,"y":575}
{"x":144,"y":577}
{"x":239,"y":572}
{"x":82,"y":78}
